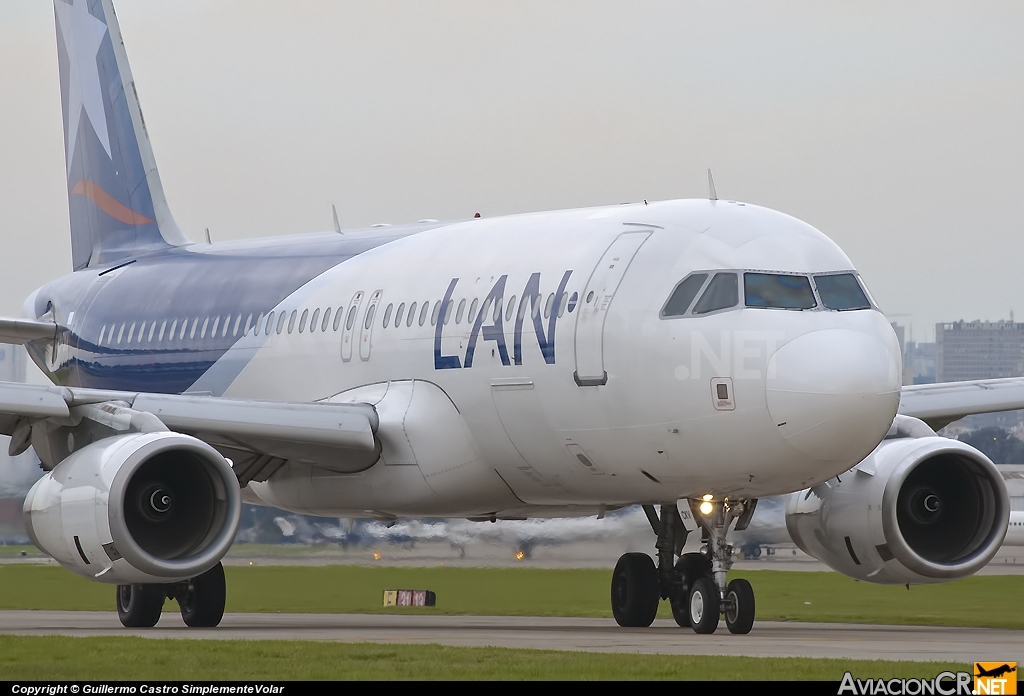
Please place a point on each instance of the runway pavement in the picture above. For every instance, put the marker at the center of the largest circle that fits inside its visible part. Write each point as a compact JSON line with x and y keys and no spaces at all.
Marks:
{"x":768,"y":639}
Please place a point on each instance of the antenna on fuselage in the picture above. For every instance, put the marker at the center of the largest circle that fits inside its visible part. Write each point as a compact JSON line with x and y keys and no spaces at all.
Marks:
{"x":337,"y":225}
{"x":208,"y":241}
{"x":712,"y":194}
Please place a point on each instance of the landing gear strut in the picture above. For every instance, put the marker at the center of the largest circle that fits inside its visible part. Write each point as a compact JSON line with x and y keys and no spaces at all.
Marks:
{"x":201,"y":600}
{"x":694,"y":583}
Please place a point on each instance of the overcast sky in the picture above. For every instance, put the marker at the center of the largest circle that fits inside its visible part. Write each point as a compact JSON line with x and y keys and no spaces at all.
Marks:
{"x":895,"y":128}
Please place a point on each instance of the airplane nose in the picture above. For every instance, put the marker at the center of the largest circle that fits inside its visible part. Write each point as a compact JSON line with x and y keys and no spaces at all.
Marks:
{"x":834,"y":393}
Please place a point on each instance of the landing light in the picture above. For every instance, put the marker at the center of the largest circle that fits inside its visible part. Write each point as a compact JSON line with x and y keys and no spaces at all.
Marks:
{"x":708,"y":496}
{"x":520,"y":555}
{"x":706,"y":507}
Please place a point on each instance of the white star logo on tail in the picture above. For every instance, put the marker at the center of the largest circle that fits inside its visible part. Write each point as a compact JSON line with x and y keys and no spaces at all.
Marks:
{"x":83,"y":34}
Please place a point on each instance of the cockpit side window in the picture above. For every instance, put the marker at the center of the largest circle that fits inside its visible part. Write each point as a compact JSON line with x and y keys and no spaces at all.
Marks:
{"x":777,"y":291}
{"x":722,"y":293}
{"x":841,"y":292}
{"x":682,"y":297}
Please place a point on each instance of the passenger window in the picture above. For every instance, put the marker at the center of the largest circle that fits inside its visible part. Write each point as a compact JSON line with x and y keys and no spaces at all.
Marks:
{"x":103,"y":332}
{"x":216,"y":325}
{"x":547,"y":305}
{"x":682,"y":296}
{"x":351,"y":318}
{"x":458,"y":314}
{"x":337,"y":318}
{"x":280,"y":321}
{"x":841,"y":292}
{"x":387,"y":316}
{"x":258,"y":325}
{"x":152,"y":330}
{"x":400,"y":313}
{"x":423,"y":312}
{"x":183,"y":329}
{"x":777,"y":291}
{"x":270,"y":324}
{"x":369,"y":316}
{"x":433,"y":315}
{"x":142,"y":330}
{"x":314,"y":320}
{"x":238,"y":322}
{"x":510,"y":308}
{"x":192,"y":331}
{"x":326,"y":321}
{"x":723,"y":292}
{"x":448,"y":312}
{"x":163,"y":325}
{"x":291,"y":321}
{"x":472,"y":312}
{"x":497,"y":311}
{"x":412,"y":315}
{"x":202,"y":332}
{"x":131,"y":332}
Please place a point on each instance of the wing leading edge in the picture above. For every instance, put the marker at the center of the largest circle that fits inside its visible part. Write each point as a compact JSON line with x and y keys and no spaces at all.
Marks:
{"x":938,"y":405}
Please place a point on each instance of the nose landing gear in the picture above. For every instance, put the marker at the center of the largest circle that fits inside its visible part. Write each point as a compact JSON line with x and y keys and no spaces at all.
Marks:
{"x":694,"y":583}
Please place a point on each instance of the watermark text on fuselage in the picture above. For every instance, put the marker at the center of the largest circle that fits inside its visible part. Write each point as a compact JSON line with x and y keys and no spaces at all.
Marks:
{"x":743,"y":355}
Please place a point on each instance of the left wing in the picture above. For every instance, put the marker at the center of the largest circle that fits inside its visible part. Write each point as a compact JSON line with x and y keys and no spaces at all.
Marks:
{"x":938,"y":405}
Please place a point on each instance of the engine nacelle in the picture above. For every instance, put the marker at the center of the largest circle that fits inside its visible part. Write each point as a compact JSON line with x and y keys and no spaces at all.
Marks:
{"x":919,"y":509}
{"x":154,"y":507}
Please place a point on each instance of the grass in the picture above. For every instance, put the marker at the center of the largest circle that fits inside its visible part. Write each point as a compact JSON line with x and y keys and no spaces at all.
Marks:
{"x":59,"y":658}
{"x":990,"y":601}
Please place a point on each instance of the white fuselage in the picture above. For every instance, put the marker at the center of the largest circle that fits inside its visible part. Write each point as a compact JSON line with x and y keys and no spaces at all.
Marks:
{"x":810,"y":393}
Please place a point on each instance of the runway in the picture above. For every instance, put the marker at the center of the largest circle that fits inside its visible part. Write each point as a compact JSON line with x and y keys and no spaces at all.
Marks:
{"x":768,"y":639}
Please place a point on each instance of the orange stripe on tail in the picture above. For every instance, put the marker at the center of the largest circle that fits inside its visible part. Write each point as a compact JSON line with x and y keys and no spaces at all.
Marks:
{"x":108,"y":204}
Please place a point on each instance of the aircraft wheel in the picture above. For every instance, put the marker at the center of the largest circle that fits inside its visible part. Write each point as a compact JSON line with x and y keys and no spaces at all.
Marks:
{"x":635,"y":590}
{"x":689,"y":567}
{"x":739,"y":608}
{"x":704,"y":605}
{"x":139,"y":606}
{"x":202,"y":599}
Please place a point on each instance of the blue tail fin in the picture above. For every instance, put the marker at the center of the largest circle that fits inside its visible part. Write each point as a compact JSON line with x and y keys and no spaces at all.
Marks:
{"x":115,"y":197}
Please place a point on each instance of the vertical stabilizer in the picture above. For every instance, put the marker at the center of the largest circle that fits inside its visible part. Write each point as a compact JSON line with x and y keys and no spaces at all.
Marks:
{"x":115,"y":197}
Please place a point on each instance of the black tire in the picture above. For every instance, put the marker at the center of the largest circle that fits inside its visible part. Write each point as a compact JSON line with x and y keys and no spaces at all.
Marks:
{"x":202,"y":599}
{"x":636,"y":591}
{"x":739,"y":608}
{"x":689,"y":567}
{"x":139,"y":606}
{"x":704,"y":606}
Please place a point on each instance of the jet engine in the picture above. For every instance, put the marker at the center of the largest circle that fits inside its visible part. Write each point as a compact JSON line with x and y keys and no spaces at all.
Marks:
{"x":156,"y":507}
{"x":919,"y":509}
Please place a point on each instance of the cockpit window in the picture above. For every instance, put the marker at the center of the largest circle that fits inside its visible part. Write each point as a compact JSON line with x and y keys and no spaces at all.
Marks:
{"x":841,"y":292}
{"x":722,"y":292}
{"x":683,"y":295}
{"x":778,"y":291}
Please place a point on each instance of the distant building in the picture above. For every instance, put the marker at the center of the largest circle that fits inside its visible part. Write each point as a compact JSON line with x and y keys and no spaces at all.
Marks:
{"x":966,"y":350}
{"x":919,"y":362}
{"x":13,"y":360}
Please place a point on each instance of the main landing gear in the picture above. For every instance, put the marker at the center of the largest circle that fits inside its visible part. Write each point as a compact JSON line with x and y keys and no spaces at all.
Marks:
{"x":201,"y":600}
{"x":694,"y":583}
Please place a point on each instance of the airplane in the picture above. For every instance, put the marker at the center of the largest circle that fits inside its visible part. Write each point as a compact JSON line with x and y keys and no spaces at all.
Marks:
{"x":691,"y":356}
{"x":995,"y":671}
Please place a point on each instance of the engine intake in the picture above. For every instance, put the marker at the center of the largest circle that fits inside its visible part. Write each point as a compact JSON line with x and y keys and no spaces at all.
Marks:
{"x":920,"y":508}
{"x":137,"y":508}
